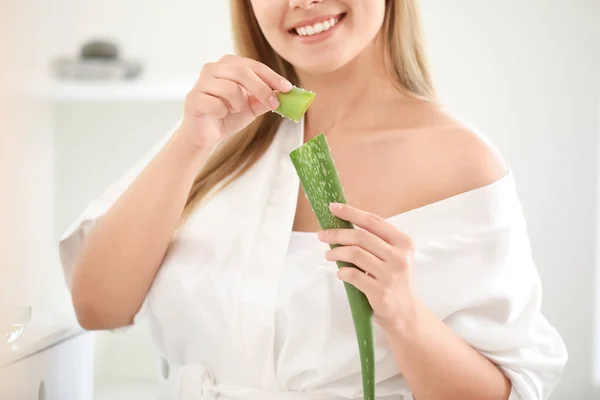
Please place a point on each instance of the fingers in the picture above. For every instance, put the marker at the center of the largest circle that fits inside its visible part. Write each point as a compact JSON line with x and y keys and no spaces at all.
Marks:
{"x":235,"y":85}
{"x":372,"y":223}
{"x":358,"y":237}
{"x":257,"y":79}
{"x":358,"y":256}
{"x":198,"y":103}
{"x":359,"y":280}
{"x":250,"y":81}
{"x":266,"y":74}
{"x":229,"y":92}
{"x":256,"y":106}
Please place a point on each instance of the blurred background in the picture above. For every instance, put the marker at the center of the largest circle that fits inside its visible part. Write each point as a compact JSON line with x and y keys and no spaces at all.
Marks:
{"x":87,"y":87}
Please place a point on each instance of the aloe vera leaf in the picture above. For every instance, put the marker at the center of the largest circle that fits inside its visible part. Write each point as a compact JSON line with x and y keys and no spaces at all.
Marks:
{"x":293,"y":104}
{"x":321,"y":184}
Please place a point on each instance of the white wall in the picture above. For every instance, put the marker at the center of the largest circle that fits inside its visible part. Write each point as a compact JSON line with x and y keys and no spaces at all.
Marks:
{"x":524,"y":73}
{"x":27,"y":250}
{"x":527,"y":74}
{"x":596,"y":352}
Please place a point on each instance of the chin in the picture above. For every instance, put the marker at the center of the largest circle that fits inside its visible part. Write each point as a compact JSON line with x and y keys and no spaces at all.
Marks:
{"x":319,"y":66}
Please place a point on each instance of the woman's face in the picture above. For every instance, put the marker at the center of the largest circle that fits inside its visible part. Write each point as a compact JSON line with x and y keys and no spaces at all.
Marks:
{"x":319,"y":36}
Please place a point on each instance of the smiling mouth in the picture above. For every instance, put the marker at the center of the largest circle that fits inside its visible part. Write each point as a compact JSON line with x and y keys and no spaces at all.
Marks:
{"x":318,"y":27}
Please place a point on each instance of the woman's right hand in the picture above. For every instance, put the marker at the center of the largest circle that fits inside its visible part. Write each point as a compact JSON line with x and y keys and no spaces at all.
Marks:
{"x":227,"y":97}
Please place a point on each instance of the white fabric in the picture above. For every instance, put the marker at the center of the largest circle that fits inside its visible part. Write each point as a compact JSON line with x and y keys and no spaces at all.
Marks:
{"x":239,"y":315}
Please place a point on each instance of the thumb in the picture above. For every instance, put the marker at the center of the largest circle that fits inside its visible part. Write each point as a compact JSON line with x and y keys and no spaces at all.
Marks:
{"x":258,"y":108}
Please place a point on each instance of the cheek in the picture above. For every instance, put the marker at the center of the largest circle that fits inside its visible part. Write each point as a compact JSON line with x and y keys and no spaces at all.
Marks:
{"x":260,"y":9}
{"x":269,"y":14}
{"x":368,"y":15}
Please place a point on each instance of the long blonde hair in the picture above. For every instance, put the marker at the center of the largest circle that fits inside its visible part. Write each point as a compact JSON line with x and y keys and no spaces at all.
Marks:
{"x":405,"y":60}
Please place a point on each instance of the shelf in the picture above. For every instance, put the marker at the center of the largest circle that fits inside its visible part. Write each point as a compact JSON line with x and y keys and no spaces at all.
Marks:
{"x":121,"y":91}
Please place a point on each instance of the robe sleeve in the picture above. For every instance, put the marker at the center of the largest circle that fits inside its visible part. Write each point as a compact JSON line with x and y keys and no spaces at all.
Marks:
{"x":496,"y":308}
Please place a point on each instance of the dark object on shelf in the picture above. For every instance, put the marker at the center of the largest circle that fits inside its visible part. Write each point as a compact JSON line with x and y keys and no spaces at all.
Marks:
{"x":98,"y":60}
{"x":99,"y":50}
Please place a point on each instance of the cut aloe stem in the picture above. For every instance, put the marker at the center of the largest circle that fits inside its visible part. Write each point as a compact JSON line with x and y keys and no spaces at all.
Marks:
{"x":321,"y":184}
{"x":293,"y":104}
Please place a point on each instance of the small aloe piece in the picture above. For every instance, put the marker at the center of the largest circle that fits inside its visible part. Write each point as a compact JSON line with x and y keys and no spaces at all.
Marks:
{"x":293,"y":104}
{"x":321,"y":183}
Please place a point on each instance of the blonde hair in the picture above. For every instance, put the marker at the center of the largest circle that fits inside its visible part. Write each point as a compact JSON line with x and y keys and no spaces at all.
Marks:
{"x":405,"y":59}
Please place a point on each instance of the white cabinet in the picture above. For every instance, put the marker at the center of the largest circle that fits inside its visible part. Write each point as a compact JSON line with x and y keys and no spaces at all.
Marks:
{"x":56,"y":367}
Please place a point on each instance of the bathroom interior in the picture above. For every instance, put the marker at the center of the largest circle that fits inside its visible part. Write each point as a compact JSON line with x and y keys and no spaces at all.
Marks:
{"x":526,"y":74}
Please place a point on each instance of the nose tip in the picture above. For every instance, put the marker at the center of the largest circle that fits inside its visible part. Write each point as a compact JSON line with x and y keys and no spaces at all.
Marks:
{"x":304,"y":3}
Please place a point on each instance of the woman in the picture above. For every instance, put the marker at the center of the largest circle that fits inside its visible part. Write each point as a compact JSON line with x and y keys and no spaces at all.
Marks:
{"x":219,"y":248}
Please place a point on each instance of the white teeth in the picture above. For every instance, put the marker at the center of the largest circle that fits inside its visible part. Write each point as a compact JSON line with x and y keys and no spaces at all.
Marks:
{"x":316,"y":28}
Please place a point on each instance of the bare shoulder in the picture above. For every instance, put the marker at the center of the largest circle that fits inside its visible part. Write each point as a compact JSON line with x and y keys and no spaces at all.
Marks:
{"x":470,"y":159}
{"x":425,"y":151}
{"x":457,"y":158}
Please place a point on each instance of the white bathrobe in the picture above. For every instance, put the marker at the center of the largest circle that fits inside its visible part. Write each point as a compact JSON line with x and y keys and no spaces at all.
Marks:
{"x":238,"y":320}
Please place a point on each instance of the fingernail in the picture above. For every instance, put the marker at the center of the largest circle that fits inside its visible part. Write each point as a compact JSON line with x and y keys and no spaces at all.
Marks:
{"x":286,"y":85}
{"x":335,"y":206}
{"x":274,"y":102}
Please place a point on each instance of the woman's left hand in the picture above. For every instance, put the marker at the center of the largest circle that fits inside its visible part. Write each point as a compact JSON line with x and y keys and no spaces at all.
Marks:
{"x":384,"y":253}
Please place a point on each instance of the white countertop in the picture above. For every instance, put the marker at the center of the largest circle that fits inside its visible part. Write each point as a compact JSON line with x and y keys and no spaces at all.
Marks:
{"x":41,"y":332}
{"x":129,"y":390}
